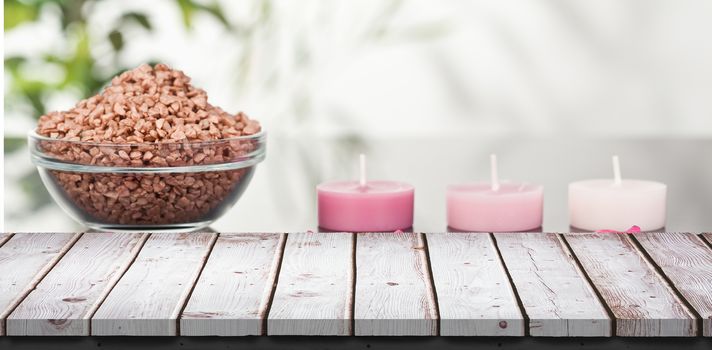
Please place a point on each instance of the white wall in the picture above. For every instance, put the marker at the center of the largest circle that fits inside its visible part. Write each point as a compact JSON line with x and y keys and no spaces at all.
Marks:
{"x":605,"y":67}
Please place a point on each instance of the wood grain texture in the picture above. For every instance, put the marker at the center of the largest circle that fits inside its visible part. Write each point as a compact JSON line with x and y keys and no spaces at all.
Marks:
{"x":232,"y":295}
{"x":314,"y":295}
{"x":642,"y":302}
{"x":148,"y":299}
{"x":686,"y":260}
{"x":394,"y":295}
{"x":554,"y":292}
{"x":24,"y":261}
{"x":474,"y":295}
{"x":4,"y":237}
{"x":70,"y":293}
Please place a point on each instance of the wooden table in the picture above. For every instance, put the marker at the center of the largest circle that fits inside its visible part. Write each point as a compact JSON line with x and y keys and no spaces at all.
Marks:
{"x":449,"y":284}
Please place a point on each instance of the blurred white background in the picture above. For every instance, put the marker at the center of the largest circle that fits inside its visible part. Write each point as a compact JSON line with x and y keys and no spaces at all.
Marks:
{"x":453,"y":80}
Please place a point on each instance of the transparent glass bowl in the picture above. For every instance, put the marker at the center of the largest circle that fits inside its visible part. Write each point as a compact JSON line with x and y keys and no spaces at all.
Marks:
{"x":177,"y":187}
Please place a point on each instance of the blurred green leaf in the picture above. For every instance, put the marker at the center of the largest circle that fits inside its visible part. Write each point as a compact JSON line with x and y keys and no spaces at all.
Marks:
{"x":17,"y":12}
{"x":186,"y":9}
{"x":50,"y":58}
{"x":13,"y":63}
{"x":12,"y":144}
{"x":217,"y":12}
{"x":31,"y":91}
{"x":34,"y":92}
{"x":79,"y":67}
{"x":71,"y":12}
{"x":32,"y":185}
{"x":139,"y":18}
{"x":117,"y":40}
{"x":265,"y":10}
{"x":189,"y":8}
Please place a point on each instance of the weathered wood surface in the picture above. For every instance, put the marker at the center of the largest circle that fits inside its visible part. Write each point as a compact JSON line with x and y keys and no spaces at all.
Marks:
{"x":314,"y":295}
{"x":642,"y":302}
{"x":687,"y":261}
{"x":554,"y":292}
{"x":394,"y":294}
{"x":150,"y":296}
{"x":24,"y":261}
{"x":474,"y":295}
{"x":233,"y":293}
{"x":655,"y":284}
{"x":65,"y":300}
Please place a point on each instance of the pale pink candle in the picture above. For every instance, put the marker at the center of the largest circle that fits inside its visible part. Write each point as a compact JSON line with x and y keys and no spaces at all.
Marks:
{"x":495,"y":206}
{"x":617,"y":203}
{"x":365,"y":206}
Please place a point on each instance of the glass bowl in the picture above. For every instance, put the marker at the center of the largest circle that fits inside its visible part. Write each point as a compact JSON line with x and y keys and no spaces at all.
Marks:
{"x":177,"y":187}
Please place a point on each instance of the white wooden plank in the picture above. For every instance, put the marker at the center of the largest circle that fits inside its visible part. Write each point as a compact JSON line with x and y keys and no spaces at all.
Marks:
{"x":554,"y":292}
{"x":394,"y":295}
{"x":232,"y":295}
{"x":148,"y":299}
{"x":314,"y":294}
{"x":642,"y":302}
{"x":24,"y":261}
{"x":686,"y":260}
{"x":4,"y":237}
{"x":474,"y":295}
{"x":70,"y":293}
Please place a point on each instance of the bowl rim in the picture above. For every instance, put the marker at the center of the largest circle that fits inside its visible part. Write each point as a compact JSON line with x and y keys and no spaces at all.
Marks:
{"x":34,"y":135}
{"x":40,"y":159}
{"x":58,"y":165}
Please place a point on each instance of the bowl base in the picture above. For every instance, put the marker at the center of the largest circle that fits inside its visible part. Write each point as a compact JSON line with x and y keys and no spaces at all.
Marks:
{"x":172,"y":228}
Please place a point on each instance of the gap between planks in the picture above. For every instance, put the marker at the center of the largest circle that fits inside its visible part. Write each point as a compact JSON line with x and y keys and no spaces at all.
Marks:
{"x":195,"y":282}
{"x":4,"y":237}
{"x":707,"y":237}
{"x":596,"y":291}
{"x":517,"y":296}
{"x":431,"y":281}
{"x":277,"y":271}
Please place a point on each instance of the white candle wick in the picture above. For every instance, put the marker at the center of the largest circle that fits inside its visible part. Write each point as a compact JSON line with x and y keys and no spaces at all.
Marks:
{"x":617,"y":180}
{"x":493,"y":173}
{"x":362,"y":168}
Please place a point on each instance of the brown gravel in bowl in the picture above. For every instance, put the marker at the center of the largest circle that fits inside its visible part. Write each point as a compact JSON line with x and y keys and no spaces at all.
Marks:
{"x":148,"y":199}
{"x":159,"y":120}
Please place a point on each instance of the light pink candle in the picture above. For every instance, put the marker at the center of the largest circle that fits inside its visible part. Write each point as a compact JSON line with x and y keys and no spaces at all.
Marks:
{"x":495,"y":206}
{"x":617,"y":203}
{"x":365,"y":206}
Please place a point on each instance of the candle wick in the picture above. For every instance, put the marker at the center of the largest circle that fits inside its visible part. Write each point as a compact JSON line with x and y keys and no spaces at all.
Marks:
{"x":362,"y":167}
{"x":493,"y":172}
{"x":617,"y":180}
